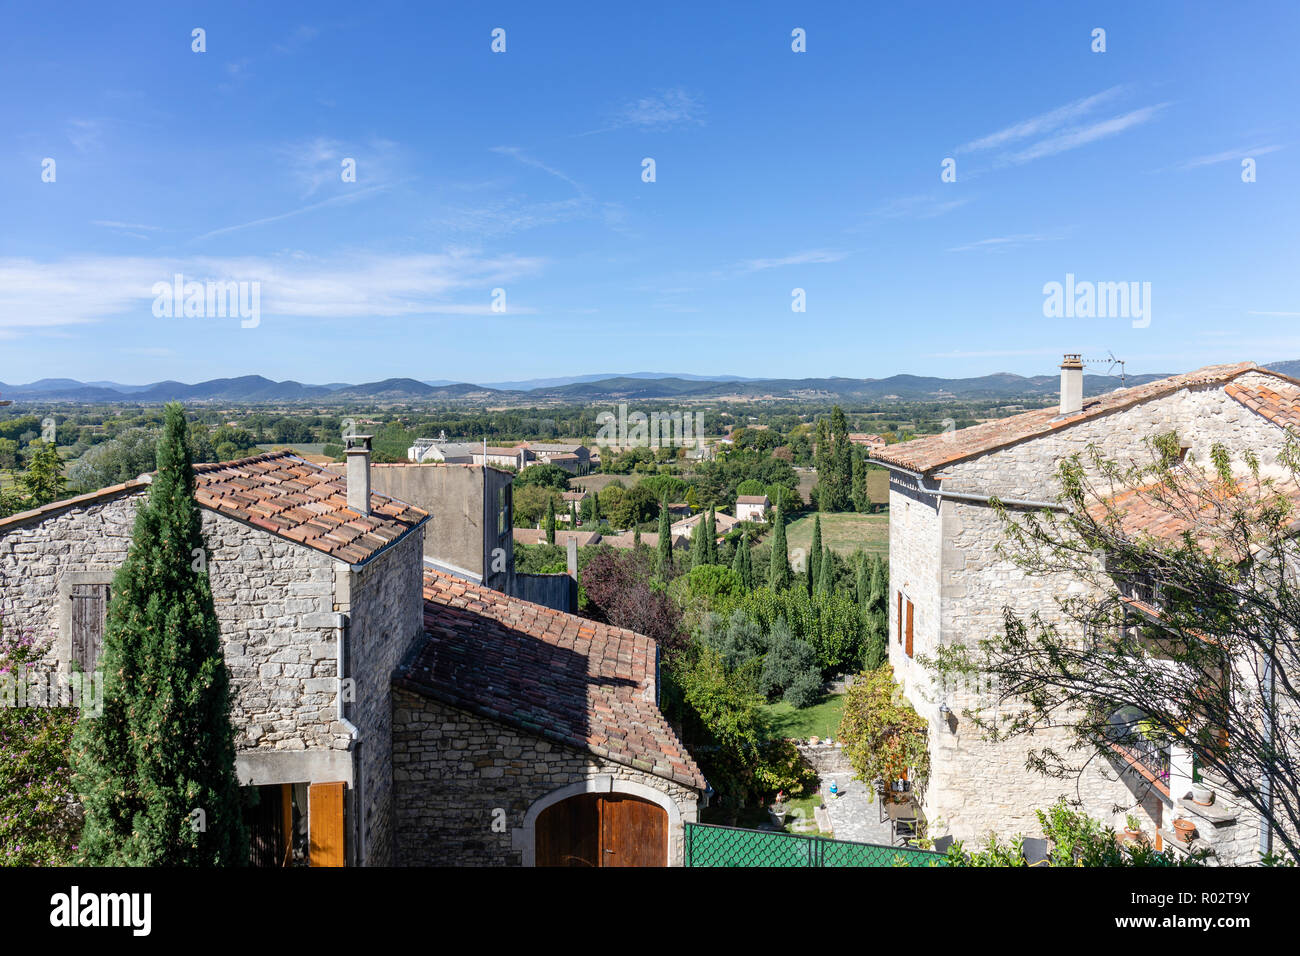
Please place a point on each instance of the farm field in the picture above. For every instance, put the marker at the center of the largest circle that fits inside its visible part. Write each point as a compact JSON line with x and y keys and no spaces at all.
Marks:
{"x":843,"y":533}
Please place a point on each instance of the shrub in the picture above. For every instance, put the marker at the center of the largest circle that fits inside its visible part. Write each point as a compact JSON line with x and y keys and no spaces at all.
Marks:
{"x":884,"y":738}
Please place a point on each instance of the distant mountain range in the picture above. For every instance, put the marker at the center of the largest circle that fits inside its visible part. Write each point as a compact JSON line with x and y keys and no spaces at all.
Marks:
{"x":638,"y":386}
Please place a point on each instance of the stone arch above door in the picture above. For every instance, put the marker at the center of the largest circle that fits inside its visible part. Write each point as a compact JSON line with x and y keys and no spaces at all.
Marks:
{"x":525,"y":836}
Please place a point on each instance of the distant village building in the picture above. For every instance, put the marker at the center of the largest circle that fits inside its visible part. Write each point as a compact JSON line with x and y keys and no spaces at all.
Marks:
{"x":573,"y":458}
{"x":722,"y":524}
{"x":868,"y":441}
{"x":752,"y":508}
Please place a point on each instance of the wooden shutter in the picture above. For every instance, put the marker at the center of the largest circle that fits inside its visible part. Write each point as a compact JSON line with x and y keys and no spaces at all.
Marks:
{"x":909,"y":628}
{"x":900,"y":617}
{"x":89,"y":611}
{"x":325,"y":824}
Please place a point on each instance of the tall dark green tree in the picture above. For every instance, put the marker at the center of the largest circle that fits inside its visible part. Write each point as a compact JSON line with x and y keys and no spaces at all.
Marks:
{"x":156,"y":771}
{"x":573,"y":515}
{"x":861,"y":589}
{"x":550,"y":519}
{"x":826,"y":573}
{"x":778,"y":573}
{"x":699,"y":544}
{"x":712,"y":541}
{"x":664,"y":556}
{"x":742,"y":563}
{"x":815,"y":555}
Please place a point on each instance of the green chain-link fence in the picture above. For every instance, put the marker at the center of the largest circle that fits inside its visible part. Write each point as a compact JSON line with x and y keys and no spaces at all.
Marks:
{"x":709,"y":845}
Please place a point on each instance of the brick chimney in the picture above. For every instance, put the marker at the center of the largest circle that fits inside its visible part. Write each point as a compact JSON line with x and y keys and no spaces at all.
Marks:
{"x":1071,"y":384}
{"x":358,"y":479}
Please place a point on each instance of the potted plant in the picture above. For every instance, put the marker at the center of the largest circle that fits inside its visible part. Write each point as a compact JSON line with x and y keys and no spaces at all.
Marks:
{"x":1184,"y":829}
{"x":1202,"y":794}
{"x":1132,"y":827}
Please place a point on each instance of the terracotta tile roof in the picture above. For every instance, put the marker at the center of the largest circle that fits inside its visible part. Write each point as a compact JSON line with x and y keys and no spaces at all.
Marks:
{"x":934,"y":451}
{"x":1279,"y":404}
{"x":752,"y":500}
{"x":554,"y":675}
{"x":294,"y":499}
{"x":1141,"y":512}
{"x":538,"y":536}
{"x":649,"y":539}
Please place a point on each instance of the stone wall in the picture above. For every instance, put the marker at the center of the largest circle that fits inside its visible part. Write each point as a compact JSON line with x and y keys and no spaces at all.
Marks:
{"x":453,"y":769}
{"x":386,"y":618}
{"x":944,"y":557}
{"x":264,"y":590}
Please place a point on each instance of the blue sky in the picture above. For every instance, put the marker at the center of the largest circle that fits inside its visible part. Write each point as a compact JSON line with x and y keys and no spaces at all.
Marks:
{"x":522,"y":171}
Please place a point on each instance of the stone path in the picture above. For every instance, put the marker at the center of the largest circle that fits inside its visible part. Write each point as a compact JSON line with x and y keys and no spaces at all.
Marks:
{"x":855,"y":813}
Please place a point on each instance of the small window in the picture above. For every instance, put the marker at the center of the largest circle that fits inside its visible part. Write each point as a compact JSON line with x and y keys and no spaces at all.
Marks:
{"x":89,"y":615}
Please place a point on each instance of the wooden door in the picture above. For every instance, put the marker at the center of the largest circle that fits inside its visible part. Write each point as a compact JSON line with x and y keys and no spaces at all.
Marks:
{"x":633,"y":832}
{"x":909,"y":627}
{"x":601,"y":829}
{"x":325,"y":824}
{"x":89,"y":611}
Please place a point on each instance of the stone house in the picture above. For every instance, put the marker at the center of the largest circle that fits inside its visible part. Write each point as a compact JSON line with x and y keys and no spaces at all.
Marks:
{"x":316,"y":585}
{"x":525,"y":736}
{"x":319,"y":588}
{"x":752,"y":507}
{"x":572,"y":457}
{"x":951,"y":586}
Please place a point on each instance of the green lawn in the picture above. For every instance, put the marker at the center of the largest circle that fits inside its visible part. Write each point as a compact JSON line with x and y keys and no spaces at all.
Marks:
{"x":843,"y":533}
{"x":820,"y":720}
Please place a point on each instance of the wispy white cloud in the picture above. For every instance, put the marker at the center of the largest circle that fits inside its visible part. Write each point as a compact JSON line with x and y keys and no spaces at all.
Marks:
{"x":1043,"y":123}
{"x":86,"y":134}
{"x":341,"y":199}
{"x":926,"y":206}
{"x":1288,"y":315}
{"x":812,"y":256}
{"x":999,"y":243}
{"x":1081,"y":136}
{"x":89,"y":289}
{"x":1231,"y":155}
{"x":659,"y":111}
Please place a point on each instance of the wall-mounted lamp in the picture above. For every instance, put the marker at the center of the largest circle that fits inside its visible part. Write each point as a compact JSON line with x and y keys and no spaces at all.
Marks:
{"x":944,"y":712}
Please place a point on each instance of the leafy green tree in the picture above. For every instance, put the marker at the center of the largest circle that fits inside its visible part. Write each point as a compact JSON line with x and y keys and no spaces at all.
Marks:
{"x":8,"y":454}
{"x":552,"y":476}
{"x":636,"y":506}
{"x":38,"y":825}
{"x":43,"y":481}
{"x":164,"y":747}
{"x":129,"y":455}
{"x":788,"y":658}
{"x":778,"y":575}
{"x":884,"y":737}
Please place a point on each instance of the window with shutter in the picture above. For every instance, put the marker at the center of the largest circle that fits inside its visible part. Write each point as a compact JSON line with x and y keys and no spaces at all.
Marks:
{"x":89,"y":614}
{"x":899,"y":618}
{"x":909,"y":628}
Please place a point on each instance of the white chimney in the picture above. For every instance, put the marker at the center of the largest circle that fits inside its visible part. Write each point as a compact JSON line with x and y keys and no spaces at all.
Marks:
{"x":1071,"y":384}
{"x":358,"y":480}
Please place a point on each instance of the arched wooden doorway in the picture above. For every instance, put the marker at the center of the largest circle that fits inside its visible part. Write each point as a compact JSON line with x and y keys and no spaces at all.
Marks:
{"x":602,"y":829}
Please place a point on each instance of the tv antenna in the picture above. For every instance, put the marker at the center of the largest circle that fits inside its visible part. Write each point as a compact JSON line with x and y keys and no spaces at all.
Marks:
{"x":1111,"y":362}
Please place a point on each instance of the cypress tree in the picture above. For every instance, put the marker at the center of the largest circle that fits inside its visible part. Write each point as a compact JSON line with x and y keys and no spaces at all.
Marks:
{"x":550,"y":520}
{"x":778,"y":574}
{"x":636,"y":537}
{"x":740,"y":563}
{"x":699,"y":546}
{"x":664,"y":557}
{"x":713,"y":536}
{"x":595,"y":507}
{"x":573,"y":515}
{"x":164,"y":746}
{"x":815,"y":555}
{"x":861,"y":591}
{"x":826,"y":575}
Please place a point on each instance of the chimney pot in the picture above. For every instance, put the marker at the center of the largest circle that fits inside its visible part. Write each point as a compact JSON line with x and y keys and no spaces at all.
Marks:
{"x":1071,"y":384}
{"x":358,"y":478}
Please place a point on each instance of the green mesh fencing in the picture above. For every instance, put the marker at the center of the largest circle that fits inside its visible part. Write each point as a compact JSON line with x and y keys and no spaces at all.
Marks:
{"x":709,"y":845}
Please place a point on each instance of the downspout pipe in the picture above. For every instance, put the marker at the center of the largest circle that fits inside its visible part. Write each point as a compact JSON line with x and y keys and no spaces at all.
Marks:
{"x":919,"y":479}
{"x":341,"y":623}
